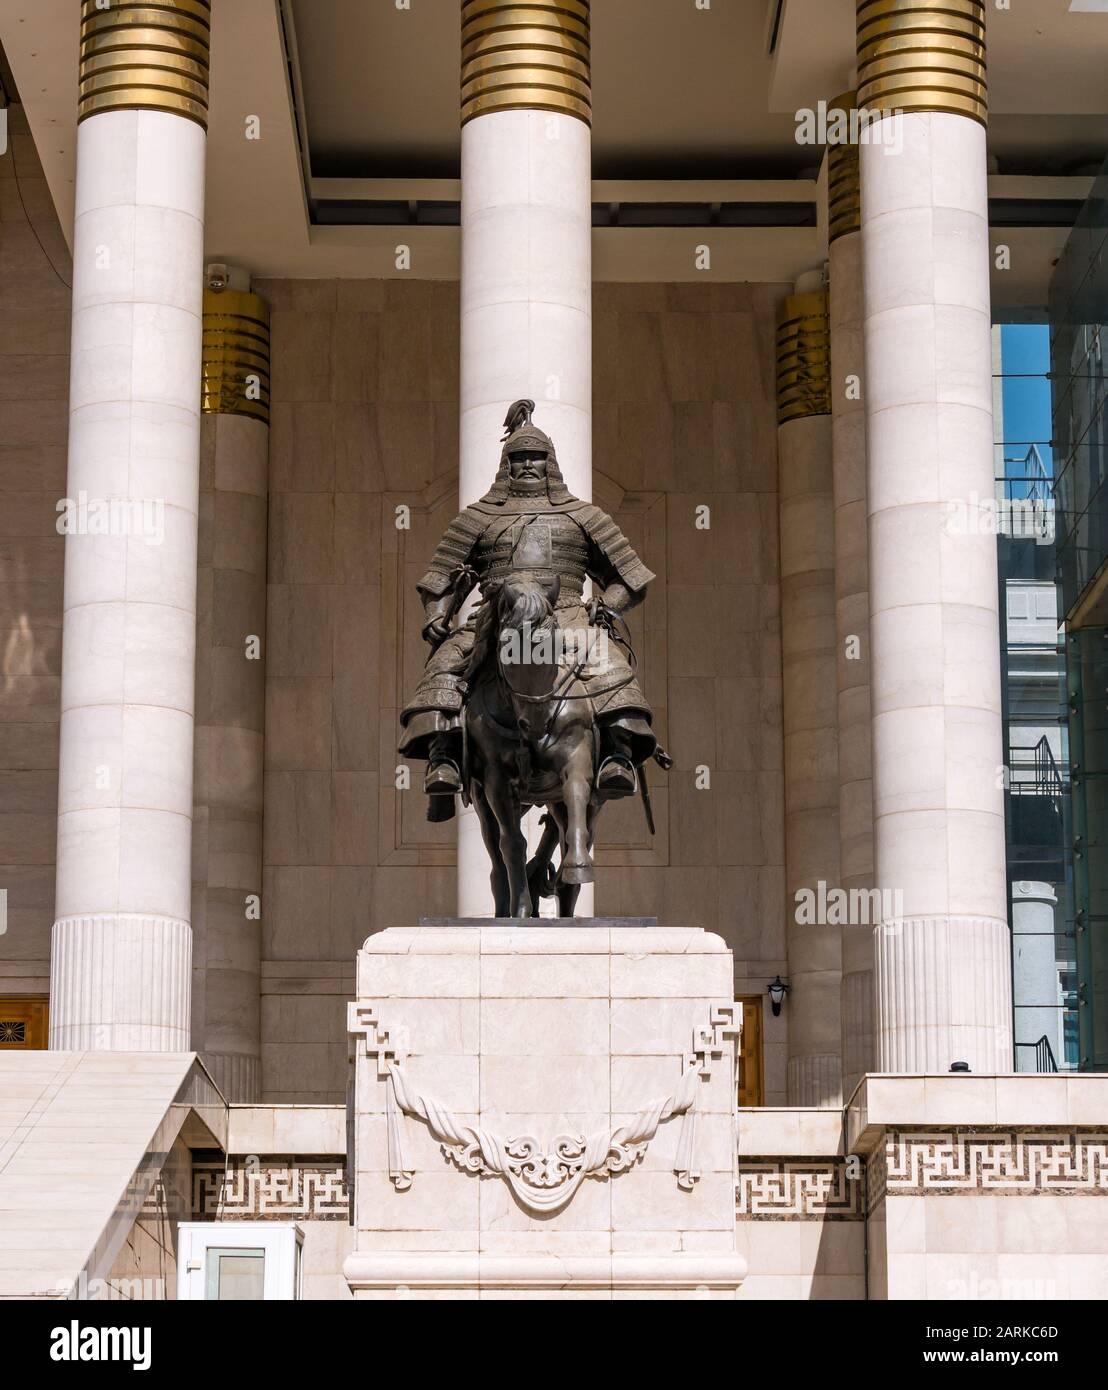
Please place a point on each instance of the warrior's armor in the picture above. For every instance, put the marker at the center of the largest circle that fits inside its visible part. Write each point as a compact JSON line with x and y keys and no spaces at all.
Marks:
{"x":531,"y":525}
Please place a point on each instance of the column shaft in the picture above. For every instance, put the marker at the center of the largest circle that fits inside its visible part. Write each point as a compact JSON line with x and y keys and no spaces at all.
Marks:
{"x":526,"y":291}
{"x":848,"y":449}
{"x":1036,"y":984}
{"x":230,"y":693}
{"x":121,"y":945}
{"x":809,"y":707}
{"x":942,"y":960}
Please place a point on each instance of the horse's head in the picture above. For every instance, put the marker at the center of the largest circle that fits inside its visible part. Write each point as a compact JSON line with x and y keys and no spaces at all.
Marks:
{"x":525,"y":602}
{"x":525,"y":627}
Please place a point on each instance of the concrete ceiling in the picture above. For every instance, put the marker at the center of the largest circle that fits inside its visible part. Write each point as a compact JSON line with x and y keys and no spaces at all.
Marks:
{"x":673,"y":85}
{"x":680,"y":91}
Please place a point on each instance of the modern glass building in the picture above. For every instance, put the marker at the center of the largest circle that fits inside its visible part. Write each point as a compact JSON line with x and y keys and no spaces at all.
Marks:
{"x":1036,"y":735}
{"x":1078,"y":311}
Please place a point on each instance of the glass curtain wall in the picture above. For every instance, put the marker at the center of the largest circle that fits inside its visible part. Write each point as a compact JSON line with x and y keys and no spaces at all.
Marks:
{"x":1079,"y":330}
{"x":1032,"y":661}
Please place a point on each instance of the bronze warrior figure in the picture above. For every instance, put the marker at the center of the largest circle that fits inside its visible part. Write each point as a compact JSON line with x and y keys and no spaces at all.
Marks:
{"x":533,"y":701}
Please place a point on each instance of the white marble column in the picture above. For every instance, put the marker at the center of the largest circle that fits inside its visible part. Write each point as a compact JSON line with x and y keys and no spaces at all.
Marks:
{"x":808,"y":641}
{"x":230,"y":691}
{"x":848,"y":452}
{"x":526,"y":291}
{"x":1036,"y":984}
{"x":943,"y":963}
{"x":121,"y":947}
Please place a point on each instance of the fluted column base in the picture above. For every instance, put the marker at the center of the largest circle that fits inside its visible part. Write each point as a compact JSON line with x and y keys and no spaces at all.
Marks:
{"x":944,"y":994}
{"x":238,"y":1076}
{"x":120,"y":982}
{"x":815,"y":1080}
{"x":857,"y":1006}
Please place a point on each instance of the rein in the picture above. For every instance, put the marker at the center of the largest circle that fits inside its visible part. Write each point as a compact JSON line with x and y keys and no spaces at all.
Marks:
{"x":558,"y":691}
{"x":566,"y":679}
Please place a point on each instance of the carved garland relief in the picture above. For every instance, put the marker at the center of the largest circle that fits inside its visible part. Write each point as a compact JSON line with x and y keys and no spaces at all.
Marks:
{"x":543,"y":1179}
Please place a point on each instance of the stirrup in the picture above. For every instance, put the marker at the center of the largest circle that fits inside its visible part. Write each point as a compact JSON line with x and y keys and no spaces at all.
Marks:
{"x":616,"y":776}
{"x":443,"y":779}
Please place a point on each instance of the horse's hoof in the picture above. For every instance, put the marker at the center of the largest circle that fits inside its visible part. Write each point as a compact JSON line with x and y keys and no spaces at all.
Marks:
{"x":583,"y":873}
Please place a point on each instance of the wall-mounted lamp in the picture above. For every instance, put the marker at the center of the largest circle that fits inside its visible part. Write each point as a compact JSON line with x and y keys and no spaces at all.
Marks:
{"x":777,"y":991}
{"x":959,"y":1066}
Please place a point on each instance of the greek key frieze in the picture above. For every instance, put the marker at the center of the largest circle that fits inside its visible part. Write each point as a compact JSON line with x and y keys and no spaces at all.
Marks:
{"x":877,"y":1179}
{"x":1006,"y":1162}
{"x":271,"y":1189}
{"x":798,"y":1189}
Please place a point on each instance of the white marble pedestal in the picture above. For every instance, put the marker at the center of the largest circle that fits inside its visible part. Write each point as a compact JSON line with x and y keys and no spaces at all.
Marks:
{"x":544,"y":1112}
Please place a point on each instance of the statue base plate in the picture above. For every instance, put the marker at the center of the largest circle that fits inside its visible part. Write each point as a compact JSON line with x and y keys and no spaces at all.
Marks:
{"x":641,"y":923}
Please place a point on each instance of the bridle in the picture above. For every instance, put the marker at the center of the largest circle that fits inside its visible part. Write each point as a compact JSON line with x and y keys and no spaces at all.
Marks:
{"x":559,"y":692}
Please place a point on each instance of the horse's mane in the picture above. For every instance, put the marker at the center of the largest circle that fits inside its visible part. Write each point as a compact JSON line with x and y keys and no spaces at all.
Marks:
{"x":523,"y":601}
{"x":520,"y":600}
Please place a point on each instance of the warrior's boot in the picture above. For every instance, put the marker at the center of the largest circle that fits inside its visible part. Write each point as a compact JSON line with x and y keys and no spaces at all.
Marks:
{"x":444,"y":765}
{"x":616,"y":776}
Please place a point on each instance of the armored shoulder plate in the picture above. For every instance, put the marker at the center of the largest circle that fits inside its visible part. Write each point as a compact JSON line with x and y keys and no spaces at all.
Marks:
{"x":607,"y":536}
{"x":453,"y":551}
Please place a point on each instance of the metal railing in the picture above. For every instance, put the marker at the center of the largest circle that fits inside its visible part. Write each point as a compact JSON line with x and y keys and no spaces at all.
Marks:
{"x":1044,"y":1054}
{"x":1045,"y":779}
{"x":1026,"y":502}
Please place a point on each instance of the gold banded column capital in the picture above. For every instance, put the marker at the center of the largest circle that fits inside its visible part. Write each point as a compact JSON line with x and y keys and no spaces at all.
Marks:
{"x":526,"y":55}
{"x":235,"y":361}
{"x":149,"y":56}
{"x":923,"y":55}
{"x":804,"y":357}
{"x":844,"y":195}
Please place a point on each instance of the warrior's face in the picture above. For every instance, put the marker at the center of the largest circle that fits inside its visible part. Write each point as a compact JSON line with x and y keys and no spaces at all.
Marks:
{"x":529,"y":464}
{"x":527,"y":468}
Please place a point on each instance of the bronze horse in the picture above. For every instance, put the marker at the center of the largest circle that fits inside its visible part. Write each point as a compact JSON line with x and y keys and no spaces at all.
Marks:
{"x":531,"y":739}
{"x":524,"y":725}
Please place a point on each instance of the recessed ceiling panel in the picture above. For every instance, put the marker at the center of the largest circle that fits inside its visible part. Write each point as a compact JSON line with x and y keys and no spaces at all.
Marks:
{"x":679,"y":90}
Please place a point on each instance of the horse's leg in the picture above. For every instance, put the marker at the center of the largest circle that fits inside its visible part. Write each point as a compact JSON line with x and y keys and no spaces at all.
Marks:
{"x":568,"y":893}
{"x":577,"y":778}
{"x":503,"y":800}
{"x":538,"y":870}
{"x":490,"y":833}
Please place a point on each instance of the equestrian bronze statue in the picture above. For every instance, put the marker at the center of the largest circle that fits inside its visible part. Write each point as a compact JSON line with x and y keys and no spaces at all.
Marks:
{"x":532,"y":700}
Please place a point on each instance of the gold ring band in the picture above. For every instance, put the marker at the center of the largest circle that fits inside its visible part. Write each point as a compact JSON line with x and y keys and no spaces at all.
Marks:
{"x":844,"y":193}
{"x":804,"y":357}
{"x":923,"y":55}
{"x":235,"y":358}
{"x":526,"y":56}
{"x":150,"y":56}
{"x":576,"y":9}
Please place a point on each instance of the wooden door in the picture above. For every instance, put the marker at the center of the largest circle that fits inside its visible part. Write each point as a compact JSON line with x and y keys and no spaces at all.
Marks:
{"x":751,"y":1086}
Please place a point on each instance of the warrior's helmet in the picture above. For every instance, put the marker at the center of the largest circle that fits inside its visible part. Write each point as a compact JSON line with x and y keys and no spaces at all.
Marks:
{"x":521,"y":436}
